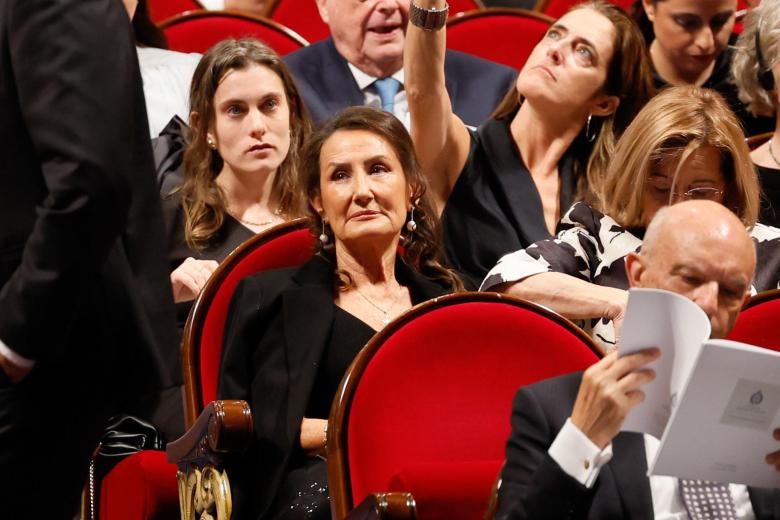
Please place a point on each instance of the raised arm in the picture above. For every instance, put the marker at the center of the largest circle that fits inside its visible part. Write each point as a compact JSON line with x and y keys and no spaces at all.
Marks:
{"x":440,"y":137}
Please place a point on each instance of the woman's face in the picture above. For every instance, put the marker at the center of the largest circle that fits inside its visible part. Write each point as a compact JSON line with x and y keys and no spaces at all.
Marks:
{"x":251,"y":127}
{"x":568,"y":68}
{"x":363,"y":190}
{"x":700,"y":177}
{"x":690,"y":34}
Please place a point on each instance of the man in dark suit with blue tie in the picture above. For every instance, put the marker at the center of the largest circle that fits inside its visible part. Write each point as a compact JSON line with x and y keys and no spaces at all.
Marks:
{"x":566,"y":457}
{"x":362,"y":64}
{"x":86,"y":313}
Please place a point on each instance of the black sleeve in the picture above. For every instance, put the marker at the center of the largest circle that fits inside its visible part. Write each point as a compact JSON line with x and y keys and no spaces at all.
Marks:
{"x":74,"y":70}
{"x":533,"y":485}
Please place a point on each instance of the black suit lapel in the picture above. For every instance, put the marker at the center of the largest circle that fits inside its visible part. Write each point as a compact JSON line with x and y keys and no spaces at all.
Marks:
{"x":517,"y":192}
{"x":307,"y":312}
{"x":338,"y":88}
{"x":629,"y":468}
{"x":766,"y":503}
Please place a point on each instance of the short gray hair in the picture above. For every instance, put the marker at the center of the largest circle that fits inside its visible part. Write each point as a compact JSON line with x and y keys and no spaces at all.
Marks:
{"x":745,"y":68}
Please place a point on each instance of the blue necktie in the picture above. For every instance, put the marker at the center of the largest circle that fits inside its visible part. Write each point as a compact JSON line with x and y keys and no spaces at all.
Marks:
{"x":387,"y":88}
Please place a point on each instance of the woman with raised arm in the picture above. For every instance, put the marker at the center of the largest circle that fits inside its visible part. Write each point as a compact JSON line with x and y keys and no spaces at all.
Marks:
{"x":505,"y":185}
{"x":248,"y":124}
{"x":685,"y":144}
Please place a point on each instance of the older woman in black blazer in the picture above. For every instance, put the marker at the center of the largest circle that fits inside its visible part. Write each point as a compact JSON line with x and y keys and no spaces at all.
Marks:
{"x":292,"y":333}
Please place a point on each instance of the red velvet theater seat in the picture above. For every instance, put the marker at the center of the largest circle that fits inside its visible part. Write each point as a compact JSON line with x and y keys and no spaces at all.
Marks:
{"x":757,"y":324}
{"x":144,"y":485}
{"x":504,"y":35}
{"x":199,"y":31}
{"x":160,"y":10}
{"x":425,"y":406}
{"x":557,"y":8}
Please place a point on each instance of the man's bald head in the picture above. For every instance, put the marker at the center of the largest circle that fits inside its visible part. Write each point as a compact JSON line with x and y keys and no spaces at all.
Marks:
{"x":701,"y":250}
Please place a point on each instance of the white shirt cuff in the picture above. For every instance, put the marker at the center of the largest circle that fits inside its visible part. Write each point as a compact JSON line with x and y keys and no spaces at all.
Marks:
{"x":577,"y":455}
{"x":15,"y":358}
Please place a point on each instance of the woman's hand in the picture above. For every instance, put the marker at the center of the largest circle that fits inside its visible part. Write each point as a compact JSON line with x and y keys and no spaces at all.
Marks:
{"x":314,"y":434}
{"x":189,"y":278}
{"x":774,"y":457}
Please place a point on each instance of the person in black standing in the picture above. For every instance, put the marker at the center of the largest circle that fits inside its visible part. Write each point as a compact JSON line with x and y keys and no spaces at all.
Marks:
{"x":86,"y":315}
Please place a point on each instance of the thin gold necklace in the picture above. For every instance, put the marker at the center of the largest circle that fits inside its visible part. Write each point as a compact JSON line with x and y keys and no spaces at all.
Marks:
{"x":262,"y":223}
{"x":385,"y":313}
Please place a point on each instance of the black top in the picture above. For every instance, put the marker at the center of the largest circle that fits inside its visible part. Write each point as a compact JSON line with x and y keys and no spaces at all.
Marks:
{"x":495,"y":207}
{"x":770,"y":202}
{"x":231,"y":235}
{"x":347,"y":336}
{"x":720,"y":80}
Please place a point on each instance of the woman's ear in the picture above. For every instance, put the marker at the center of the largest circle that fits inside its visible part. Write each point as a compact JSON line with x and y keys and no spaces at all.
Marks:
{"x":606,"y":106}
{"x":649,"y":7}
{"x":316,"y":203}
{"x":194,"y":120}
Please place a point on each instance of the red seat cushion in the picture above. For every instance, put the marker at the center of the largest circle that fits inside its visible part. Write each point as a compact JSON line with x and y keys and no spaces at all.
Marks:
{"x":290,"y":249}
{"x":143,"y":485}
{"x":758,"y":325}
{"x":502,"y":35}
{"x":439,"y":390}
{"x":440,"y":488}
{"x":199,"y":32}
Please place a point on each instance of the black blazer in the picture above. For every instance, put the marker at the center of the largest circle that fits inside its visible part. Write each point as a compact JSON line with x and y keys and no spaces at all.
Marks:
{"x":327,"y":86}
{"x":279,"y":322}
{"x":82,"y":263}
{"x":535,"y":487}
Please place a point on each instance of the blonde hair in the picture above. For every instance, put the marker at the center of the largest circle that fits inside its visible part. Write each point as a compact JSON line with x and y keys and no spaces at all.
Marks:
{"x":744,"y":66}
{"x":674,"y":124}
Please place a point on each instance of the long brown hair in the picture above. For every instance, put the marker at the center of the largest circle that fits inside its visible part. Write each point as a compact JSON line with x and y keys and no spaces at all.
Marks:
{"x":675,"y":123}
{"x":629,"y":77}
{"x":424,"y":251}
{"x":201,"y":198}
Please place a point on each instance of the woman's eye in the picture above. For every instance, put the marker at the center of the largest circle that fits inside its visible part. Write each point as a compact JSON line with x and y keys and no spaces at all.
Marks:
{"x":234,"y":110}
{"x":553,"y":34}
{"x":379,"y":168}
{"x":691,"y":280}
{"x":719,"y":21}
{"x":339,"y":175}
{"x":271,"y":104}
{"x":584,"y":52}
{"x":687,"y":22}
{"x":662,"y":190}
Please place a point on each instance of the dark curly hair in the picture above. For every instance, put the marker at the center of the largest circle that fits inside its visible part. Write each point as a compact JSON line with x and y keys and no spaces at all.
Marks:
{"x":424,"y":251}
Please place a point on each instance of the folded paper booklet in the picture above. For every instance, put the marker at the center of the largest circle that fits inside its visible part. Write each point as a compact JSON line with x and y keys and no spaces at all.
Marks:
{"x":713,"y":404}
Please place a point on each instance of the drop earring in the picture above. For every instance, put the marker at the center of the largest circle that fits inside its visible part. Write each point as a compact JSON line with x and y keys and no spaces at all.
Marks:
{"x":211,"y":143}
{"x":323,"y":238}
{"x":590,"y":137}
{"x":411,"y":225}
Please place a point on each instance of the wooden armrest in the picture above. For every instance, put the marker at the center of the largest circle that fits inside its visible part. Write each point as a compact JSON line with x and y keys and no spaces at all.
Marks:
{"x":385,"y":506}
{"x":222,"y":427}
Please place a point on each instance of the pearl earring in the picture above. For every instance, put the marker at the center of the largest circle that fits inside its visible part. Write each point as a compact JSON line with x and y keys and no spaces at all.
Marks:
{"x":411,"y":226}
{"x":323,"y":238}
{"x":211,"y":143}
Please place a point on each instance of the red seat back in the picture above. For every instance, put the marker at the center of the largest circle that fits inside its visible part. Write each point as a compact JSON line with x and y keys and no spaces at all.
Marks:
{"x":557,"y":8}
{"x":301,"y":16}
{"x":431,"y":394}
{"x":199,"y":31}
{"x":757,"y":324}
{"x":285,"y":245}
{"x":503,"y":35}
{"x":160,"y":10}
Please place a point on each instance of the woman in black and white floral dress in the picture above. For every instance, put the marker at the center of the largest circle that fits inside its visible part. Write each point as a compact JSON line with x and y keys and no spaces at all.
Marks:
{"x":685,"y":144}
